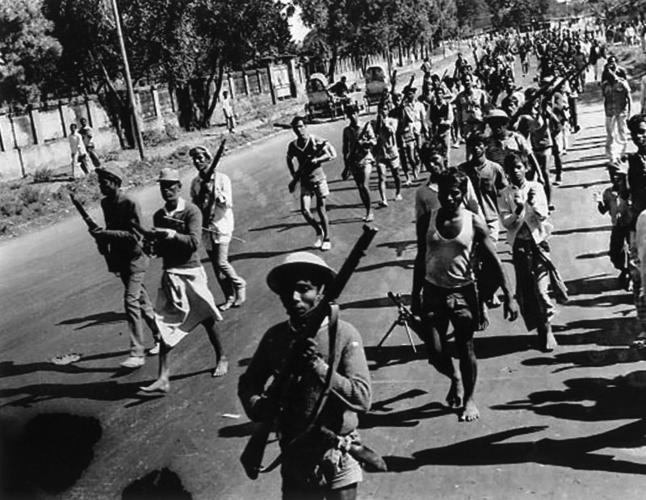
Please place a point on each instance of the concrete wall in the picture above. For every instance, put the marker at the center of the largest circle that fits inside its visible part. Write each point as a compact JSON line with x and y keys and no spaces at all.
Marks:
{"x":38,"y":138}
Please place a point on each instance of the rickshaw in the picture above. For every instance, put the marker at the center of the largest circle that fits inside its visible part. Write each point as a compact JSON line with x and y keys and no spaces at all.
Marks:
{"x":377,"y":82}
{"x":320,"y":101}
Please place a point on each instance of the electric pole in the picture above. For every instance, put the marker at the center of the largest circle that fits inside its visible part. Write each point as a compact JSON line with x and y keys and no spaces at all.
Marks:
{"x":131,"y":93}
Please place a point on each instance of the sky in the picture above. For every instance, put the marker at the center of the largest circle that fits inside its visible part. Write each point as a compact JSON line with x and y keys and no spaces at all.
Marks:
{"x":297,"y":27}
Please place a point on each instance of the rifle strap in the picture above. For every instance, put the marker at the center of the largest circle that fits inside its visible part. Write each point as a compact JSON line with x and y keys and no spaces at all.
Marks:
{"x":334,"y":347}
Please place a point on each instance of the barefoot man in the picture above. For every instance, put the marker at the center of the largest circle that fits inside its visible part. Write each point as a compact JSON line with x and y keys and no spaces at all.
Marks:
{"x":311,"y":152}
{"x":449,"y":288}
{"x":184,"y":300}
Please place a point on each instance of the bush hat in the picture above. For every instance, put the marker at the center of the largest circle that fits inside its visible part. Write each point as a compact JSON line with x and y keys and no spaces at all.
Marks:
{"x":302,"y":264}
{"x":168,"y":175}
{"x":112,"y":171}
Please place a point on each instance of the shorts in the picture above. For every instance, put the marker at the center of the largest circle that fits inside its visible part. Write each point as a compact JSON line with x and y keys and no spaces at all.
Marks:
{"x":457,"y":305}
{"x":390,"y":163}
{"x":319,"y":189}
{"x":363,"y":169}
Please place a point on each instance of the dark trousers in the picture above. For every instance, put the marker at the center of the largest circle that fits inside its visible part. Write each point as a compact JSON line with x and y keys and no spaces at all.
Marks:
{"x":574,"y":113}
{"x":619,"y":242}
{"x":137,"y":305}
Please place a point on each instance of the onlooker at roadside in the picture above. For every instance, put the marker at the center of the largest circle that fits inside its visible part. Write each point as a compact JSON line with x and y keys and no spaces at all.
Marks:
{"x":88,"y":140}
{"x":77,"y":150}
{"x":227,"y":109}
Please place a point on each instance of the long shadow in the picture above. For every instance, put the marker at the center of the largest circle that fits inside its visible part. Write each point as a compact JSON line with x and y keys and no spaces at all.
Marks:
{"x":409,"y":417}
{"x":109,"y":390}
{"x":262,"y":255}
{"x":291,"y":225}
{"x":103,"y":318}
{"x":575,"y":453}
{"x":600,"y":331}
{"x":392,"y":355}
{"x":585,"y":184}
{"x":577,"y":230}
{"x":603,"y":300}
{"x":585,"y":167}
{"x":589,"y":399}
{"x":10,"y":369}
{"x":592,"y":255}
{"x":399,"y":246}
{"x":403,"y":263}
{"x":591,"y":358}
{"x":591,"y":285}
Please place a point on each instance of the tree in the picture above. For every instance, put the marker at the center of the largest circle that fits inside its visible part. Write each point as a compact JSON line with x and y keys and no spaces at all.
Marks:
{"x":186,"y":43}
{"x":473,"y":15}
{"x":28,"y":52}
{"x":513,"y":13}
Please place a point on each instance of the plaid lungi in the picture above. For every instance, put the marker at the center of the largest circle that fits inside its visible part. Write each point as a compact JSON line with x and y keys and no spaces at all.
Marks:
{"x":183,"y":302}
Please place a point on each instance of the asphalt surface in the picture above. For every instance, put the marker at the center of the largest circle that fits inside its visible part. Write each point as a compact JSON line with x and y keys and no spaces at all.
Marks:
{"x":563,"y":425}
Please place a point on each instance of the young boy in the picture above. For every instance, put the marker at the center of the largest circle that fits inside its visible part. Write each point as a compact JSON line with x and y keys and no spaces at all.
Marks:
{"x":614,"y":202}
{"x":524,"y":212}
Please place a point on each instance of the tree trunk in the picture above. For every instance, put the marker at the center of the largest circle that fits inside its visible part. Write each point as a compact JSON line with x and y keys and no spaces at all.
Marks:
{"x":210,"y":109}
{"x":333,"y":61}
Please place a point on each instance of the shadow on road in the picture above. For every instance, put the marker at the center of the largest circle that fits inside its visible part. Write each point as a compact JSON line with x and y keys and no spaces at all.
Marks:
{"x":107,"y":390}
{"x":161,"y":484}
{"x":48,"y":454}
{"x":97,"y":319}
{"x":576,"y":453}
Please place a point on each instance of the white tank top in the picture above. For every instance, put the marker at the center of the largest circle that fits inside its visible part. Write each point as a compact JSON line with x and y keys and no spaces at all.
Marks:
{"x":448,"y":260}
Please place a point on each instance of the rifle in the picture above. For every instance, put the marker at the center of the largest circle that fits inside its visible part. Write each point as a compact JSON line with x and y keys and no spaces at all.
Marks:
{"x":254,"y":451}
{"x":393,"y":83}
{"x":206,"y":177}
{"x":546,"y":91}
{"x":92,"y":226}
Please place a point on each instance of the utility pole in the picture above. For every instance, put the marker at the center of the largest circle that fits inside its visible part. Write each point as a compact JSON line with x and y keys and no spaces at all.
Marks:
{"x":131,"y":93}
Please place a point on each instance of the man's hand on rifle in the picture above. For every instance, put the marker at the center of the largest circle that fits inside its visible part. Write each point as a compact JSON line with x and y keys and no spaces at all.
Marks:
{"x":311,"y":357}
{"x":98,"y":233}
{"x":164,"y":234}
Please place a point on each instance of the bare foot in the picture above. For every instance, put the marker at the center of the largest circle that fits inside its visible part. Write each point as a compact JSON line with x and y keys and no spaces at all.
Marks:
{"x":455,"y":395}
{"x":221,"y":369}
{"x":470,"y":412}
{"x":550,"y":342}
{"x":159,"y":385}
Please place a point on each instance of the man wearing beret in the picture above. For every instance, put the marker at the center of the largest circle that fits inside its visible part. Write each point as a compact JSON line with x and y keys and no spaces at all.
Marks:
{"x":317,"y":459}
{"x":122,"y":245}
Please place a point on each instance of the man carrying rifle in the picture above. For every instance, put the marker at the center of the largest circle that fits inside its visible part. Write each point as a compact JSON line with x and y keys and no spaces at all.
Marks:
{"x":184,"y":300}
{"x":211,"y":192}
{"x":122,"y":246}
{"x":317,"y":460}
{"x":311,"y":152}
{"x":617,"y":104}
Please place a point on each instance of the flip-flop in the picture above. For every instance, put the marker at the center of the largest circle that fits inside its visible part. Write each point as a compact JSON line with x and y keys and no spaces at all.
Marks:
{"x":66,"y":359}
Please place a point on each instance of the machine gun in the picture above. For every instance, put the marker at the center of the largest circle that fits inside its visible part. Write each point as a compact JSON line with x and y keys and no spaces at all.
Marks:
{"x":253,"y":453}
{"x":405,"y":318}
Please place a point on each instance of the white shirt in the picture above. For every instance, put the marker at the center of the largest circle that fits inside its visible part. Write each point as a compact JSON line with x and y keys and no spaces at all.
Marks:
{"x":221,"y":221}
{"x":76,"y":144}
{"x":642,"y":99}
{"x":534,"y":215}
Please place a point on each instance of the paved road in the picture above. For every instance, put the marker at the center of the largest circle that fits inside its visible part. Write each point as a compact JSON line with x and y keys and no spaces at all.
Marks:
{"x":564,"y":425}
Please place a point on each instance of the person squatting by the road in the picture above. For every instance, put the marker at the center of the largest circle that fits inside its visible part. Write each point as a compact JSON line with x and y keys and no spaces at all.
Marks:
{"x":443,"y":269}
{"x":524,"y":212}
{"x":122,"y":245}
{"x":311,"y":152}
{"x":214,"y":197}
{"x":317,"y":462}
{"x":358,"y":142}
{"x":184,"y":300}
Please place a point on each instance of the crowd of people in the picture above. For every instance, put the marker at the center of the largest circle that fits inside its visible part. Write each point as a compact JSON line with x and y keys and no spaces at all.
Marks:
{"x":514,"y":137}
